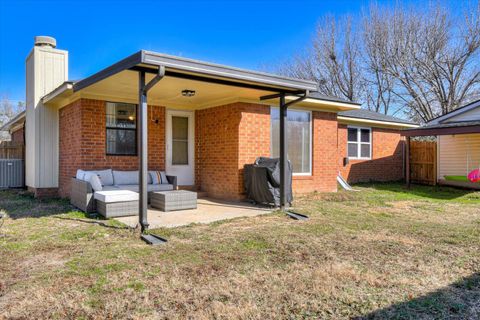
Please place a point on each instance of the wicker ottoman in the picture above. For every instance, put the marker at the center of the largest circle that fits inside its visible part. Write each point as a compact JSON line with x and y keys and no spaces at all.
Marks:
{"x":116,"y":203}
{"x":173,"y":200}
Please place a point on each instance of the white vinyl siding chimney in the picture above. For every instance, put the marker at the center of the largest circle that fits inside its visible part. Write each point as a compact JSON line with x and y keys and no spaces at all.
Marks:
{"x":46,"y":69}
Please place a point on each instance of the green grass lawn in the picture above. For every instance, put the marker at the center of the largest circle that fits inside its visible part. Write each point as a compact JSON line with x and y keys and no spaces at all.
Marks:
{"x":383,"y":252}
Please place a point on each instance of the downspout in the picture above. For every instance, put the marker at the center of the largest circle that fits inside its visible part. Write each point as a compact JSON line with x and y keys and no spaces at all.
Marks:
{"x":142,"y":137}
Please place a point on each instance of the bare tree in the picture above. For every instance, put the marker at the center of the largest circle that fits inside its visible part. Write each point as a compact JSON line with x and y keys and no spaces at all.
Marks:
{"x":379,"y":85}
{"x":333,"y":61}
{"x":8,"y":109}
{"x":422,"y":61}
{"x":433,"y":58}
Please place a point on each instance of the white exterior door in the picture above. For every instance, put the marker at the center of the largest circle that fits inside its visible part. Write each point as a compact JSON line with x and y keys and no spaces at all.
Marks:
{"x":180,"y":139}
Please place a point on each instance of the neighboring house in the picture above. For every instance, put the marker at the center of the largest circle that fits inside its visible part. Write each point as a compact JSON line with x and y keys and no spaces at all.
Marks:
{"x":458,"y":144}
{"x":15,"y":128}
{"x":205,"y":122}
{"x":4,"y":136}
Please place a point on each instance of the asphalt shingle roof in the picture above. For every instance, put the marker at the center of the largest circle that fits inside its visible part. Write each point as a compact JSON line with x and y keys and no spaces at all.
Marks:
{"x":372,"y":115}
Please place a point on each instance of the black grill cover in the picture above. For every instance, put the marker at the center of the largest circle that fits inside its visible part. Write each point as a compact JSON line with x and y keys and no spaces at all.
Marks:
{"x":262,"y":181}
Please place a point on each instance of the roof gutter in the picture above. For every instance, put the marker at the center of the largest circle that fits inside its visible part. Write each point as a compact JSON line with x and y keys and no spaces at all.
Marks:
{"x":222,"y":71}
{"x":426,"y":131}
{"x":378,"y":122}
{"x":330,"y":102}
{"x":64,"y":87}
{"x":198,"y":70}
{"x":120,"y":66}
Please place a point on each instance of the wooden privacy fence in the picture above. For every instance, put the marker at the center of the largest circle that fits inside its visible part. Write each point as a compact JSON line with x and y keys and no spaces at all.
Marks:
{"x":12,"y":150}
{"x":423,"y":162}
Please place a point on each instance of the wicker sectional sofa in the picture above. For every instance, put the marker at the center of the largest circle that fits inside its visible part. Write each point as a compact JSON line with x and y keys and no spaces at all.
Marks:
{"x":82,"y":194}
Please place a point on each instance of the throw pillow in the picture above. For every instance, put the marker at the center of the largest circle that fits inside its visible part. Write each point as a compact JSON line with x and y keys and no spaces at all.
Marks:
{"x":95,"y":182}
{"x":125,"y":177}
{"x":156,"y":177}
{"x":80,"y":174}
{"x":86,"y":176}
{"x":163,"y":175}
{"x":106,"y":176}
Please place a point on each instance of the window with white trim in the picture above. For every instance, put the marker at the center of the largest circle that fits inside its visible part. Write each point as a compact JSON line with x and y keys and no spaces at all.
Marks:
{"x":299,"y":139}
{"x":359,"y":145}
{"x":121,"y":126}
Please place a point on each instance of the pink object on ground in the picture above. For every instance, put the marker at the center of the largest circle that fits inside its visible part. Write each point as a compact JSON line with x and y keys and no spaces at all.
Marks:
{"x":474,"y":176}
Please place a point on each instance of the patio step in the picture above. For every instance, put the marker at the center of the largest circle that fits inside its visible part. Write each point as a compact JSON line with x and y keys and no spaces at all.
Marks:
{"x":200,"y":193}
{"x":189,"y":188}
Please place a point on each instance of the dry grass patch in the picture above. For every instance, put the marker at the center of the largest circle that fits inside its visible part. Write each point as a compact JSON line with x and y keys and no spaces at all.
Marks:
{"x":379,"y":253}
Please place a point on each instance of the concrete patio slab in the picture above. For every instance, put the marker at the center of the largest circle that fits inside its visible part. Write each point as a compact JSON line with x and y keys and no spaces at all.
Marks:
{"x":208,"y":210}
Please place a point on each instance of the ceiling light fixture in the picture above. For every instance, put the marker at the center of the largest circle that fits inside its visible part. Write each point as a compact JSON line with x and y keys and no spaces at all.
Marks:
{"x":188,"y":93}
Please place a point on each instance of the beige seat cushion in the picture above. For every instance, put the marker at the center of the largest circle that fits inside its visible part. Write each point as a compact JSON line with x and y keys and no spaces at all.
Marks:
{"x":112,"y":196}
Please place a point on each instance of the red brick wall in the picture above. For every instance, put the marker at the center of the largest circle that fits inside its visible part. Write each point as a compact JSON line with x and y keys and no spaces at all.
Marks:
{"x":226,"y":138}
{"x":230,"y":136}
{"x":18,"y":135}
{"x":254,"y":136}
{"x":216,"y":150}
{"x":83,"y":141}
{"x":387,"y":157}
{"x":70,"y":142}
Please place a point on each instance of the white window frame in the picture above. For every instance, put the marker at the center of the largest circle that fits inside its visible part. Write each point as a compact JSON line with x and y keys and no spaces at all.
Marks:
{"x":359,"y":143}
{"x":309,"y":173}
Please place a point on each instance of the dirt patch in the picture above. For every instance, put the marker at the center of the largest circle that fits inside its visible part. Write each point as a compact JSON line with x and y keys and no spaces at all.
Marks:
{"x":43,"y":260}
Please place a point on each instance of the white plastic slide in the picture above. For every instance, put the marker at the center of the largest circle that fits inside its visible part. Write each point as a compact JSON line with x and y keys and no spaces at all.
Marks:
{"x":344,"y":183}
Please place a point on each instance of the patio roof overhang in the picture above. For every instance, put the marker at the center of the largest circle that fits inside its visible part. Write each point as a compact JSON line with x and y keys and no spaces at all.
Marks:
{"x":183,"y":68}
{"x":444,"y":129}
{"x":213,"y":84}
{"x":134,"y":79}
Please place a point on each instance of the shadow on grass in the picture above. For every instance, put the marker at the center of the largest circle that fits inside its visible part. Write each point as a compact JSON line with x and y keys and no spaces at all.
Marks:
{"x":20,"y":204}
{"x":112,"y":224}
{"x":423,"y":191}
{"x":460,"y":300}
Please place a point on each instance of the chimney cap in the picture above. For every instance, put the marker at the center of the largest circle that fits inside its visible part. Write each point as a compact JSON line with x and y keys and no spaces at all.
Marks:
{"x":42,"y":41}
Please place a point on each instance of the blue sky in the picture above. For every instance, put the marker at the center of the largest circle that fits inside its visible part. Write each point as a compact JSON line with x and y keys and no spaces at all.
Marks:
{"x":247,"y":34}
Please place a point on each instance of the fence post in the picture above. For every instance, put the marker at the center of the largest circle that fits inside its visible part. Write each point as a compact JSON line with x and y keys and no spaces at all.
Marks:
{"x":435,"y":163}
{"x":407,"y":165}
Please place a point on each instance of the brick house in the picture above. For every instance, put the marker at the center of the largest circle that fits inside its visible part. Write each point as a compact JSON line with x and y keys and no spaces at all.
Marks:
{"x":15,"y":129}
{"x":204,"y":123}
